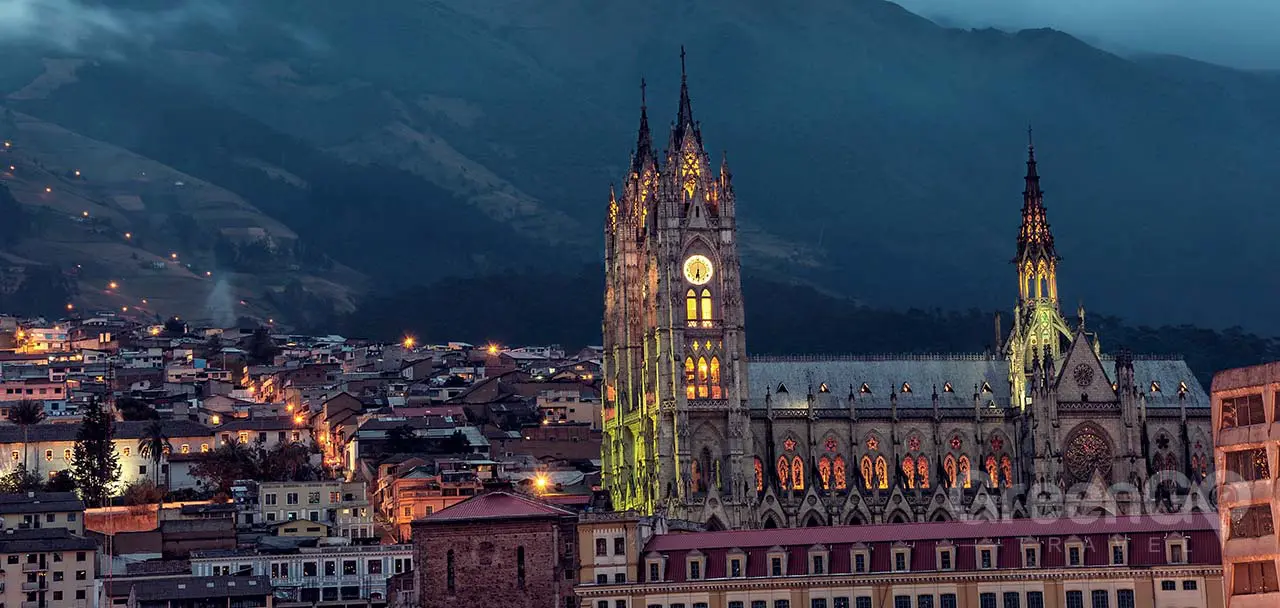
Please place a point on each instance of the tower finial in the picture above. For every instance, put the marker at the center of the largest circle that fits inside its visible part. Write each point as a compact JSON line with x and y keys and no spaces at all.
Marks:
{"x":644,"y":141}
{"x":682,"y":72}
{"x":1031,"y":144}
{"x":684,"y":117}
{"x":644,"y":102}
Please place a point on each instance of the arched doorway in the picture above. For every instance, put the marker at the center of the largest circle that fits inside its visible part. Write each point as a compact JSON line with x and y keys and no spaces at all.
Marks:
{"x":770,"y":523}
{"x":713,"y":524}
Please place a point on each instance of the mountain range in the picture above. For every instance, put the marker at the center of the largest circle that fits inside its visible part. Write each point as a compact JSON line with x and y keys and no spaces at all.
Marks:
{"x":330,"y":154}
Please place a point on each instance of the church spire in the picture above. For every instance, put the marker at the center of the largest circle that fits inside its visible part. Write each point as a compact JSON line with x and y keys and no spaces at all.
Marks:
{"x":644,"y":140}
{"x":684,"y":118}
{"x":1035,"y":239}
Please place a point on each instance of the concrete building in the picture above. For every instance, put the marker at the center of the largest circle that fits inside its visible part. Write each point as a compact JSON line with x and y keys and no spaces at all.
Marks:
{"x":46,"y":567}
{"x":1126,"y":562}
{"x":1246,"y":444}
{"x":341,"y":505}
{"x":33,"y":510}
{"x":50,"y":447}
{"x":496,"y":549}
{"x":189,"y":592}
{"x":347,"y":575}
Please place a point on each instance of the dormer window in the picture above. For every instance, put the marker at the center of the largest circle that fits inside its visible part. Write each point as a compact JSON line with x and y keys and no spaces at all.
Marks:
{"x":1075,"y":551}
{"x":986,"y":388}
{"x":655,"y":564}
{"x":906,"y":387}
{"x":1118,"y":550}
{"x":946,"y":557}
{"x":946,"y":388}
{"x":737,"y":563}
{"x":695,"y":565}
{"x":1175,"y":549}
{"x":985,"y":555}
{"x":1030,"y":553}
{"x":782,"y":388}
{"x":865,"y":389}
{"x":818,"y":559}
{"x":777,"y":561}
{"x":1155,"y":386}
{"x":1182,"y":388}
{"x":860,"y":558}
{"x":823,"y":388}
{"x":902,"y":558}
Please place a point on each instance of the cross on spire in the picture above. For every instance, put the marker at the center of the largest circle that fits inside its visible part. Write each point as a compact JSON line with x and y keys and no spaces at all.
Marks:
{"x":684,"y":117}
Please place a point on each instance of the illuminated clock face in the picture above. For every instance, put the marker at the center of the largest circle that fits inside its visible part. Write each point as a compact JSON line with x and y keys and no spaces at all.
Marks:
{"x":698,"y":269}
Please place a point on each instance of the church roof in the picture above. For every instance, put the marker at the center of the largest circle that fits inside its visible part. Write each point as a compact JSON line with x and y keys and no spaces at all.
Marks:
{"x":496,"y":505}
{"x":1166,"y":382}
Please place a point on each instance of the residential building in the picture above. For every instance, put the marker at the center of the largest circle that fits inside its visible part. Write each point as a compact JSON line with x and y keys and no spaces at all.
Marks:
{"x":412,"y":492}
{"x":1246,"y":447}
{"x":266,"y":432}
{"x":33,"y":389}
{"x":496,"y":549}
{"x":571,"y":402}
{"x":32,"y":510}
{"x":47,"y":567}
{"x":341,"y":505}
{"x":50,"y":445}
{"x":309,"y":575}
{"x":44,"y":339}
{"x":188,"y":592}
{"x":1126,"y":562}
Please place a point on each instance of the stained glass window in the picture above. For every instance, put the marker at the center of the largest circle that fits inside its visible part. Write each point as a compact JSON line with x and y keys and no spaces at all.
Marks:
{"x":841,"y":484}
{"x":716,"y":392}
{"x":784,"y":472}
{"x":690,"y":379}
{"x":824,"y":471}
{"x":867,"y":476}
{"x":909,"y":471}
{"x":797,"y":473}
{"x":922,"y":468}
{"x":882,"y":473}
{"x":1087,"y":451}
{"x":965,"y":479}
{"x":1006,"y":469}
{"x":992,"y":471}
{"x":702,"y":377}
{"x":691,"y":308}
{"x":949,"y":465}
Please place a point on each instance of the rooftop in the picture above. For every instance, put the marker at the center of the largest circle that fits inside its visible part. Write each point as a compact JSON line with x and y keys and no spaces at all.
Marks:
{"x":191,"y":587}
{"x":43,"y":540}
{"x":496,"y":505}
{"x":40,"y":502}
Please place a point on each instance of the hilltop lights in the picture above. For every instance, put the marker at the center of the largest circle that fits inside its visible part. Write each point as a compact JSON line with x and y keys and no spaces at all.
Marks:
{"x":173,"y":256}
{"x":112,"y":285}
{"x":128,"y":235}
{"x":493,"y":349}
{"x":408,"y":342}
{"x":47,"y":189}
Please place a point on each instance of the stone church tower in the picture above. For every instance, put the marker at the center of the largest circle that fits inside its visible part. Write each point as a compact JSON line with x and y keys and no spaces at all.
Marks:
{"x":675,"y":351}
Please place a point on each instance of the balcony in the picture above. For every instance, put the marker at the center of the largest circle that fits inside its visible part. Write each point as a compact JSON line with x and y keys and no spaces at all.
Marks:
{"x":36,"y":586}
{"x":34,"y":567}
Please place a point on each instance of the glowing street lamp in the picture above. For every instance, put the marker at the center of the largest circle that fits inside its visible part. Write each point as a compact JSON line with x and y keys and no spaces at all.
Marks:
{"x":112,"y":285}
{"x":540,"y":483}
{"x":493,"y":349}
{"x":409,"y":341}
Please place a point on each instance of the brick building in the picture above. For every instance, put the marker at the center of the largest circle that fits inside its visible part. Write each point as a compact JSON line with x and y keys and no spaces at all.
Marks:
{"x":497,"y":549}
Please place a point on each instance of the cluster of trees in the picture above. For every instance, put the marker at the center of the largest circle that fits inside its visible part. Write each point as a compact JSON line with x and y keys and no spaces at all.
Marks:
{"x":403,"y":439}
{"x":220,"y":468}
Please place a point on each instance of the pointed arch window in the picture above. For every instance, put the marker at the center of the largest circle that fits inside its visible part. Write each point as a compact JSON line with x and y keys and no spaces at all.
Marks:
{"x":992,"y":473}
{"x":759,"y":475}
{"x":784,"y":472}
{"x":706,"y":308}
{"x":797,"y":473}
{"x":867,"y":476}
{"x":1006,"y":470}
{"x":823,"y":388}
{"x":839,"y":473}
{"x":702,"y":377}
{"x":695,"y":476}
{"x":824,"y":472}
{"x":716,"y":392}
{"x":949,"y":467}
{"x":691,"y":308}
{"x":690,"y":379}
{"x":882,"y":473}
{"x":909,"y":471}
{"x":965,"y":478}
{"x":922,"y":471}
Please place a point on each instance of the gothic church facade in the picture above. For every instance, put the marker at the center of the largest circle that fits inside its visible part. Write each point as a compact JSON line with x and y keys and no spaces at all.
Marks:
{"x":696,"y":429}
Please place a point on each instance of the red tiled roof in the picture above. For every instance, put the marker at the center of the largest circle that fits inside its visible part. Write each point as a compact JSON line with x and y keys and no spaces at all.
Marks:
{"x":496,"y":505}
{"x":954,"y":530}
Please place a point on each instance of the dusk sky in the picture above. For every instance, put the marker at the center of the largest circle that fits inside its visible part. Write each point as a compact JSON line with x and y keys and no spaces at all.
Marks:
{"x":1239,"y":33}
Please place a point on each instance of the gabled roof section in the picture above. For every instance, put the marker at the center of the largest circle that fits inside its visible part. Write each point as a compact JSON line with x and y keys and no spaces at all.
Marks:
{"x":496,"y":505}
{"x":1082,"y":373}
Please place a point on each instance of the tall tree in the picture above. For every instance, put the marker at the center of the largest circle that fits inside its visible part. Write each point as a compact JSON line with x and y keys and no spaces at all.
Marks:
{"x":154,"y":445}
{"x":221,"y":468}
{"x":20,"y":481}
{"x":24,"y":414}
{"x":95,"y":464}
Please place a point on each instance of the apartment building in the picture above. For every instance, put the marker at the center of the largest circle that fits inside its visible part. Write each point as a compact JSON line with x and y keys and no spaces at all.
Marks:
{"x":1246,"y":445}
{"x":50,"y":445}
{"x":341,"y":505}
{"x":170,"y":591}
{"x":346,"y":575}
{"x":1127,"y":562}
{"x":46,"y":567}
{"x":31,"y":510}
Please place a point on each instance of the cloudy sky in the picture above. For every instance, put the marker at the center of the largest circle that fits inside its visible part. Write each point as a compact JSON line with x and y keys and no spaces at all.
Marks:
{"x":1241,"y":33}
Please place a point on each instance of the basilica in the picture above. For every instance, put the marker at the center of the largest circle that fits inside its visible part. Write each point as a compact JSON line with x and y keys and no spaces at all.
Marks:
{"x":698,"y":429}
